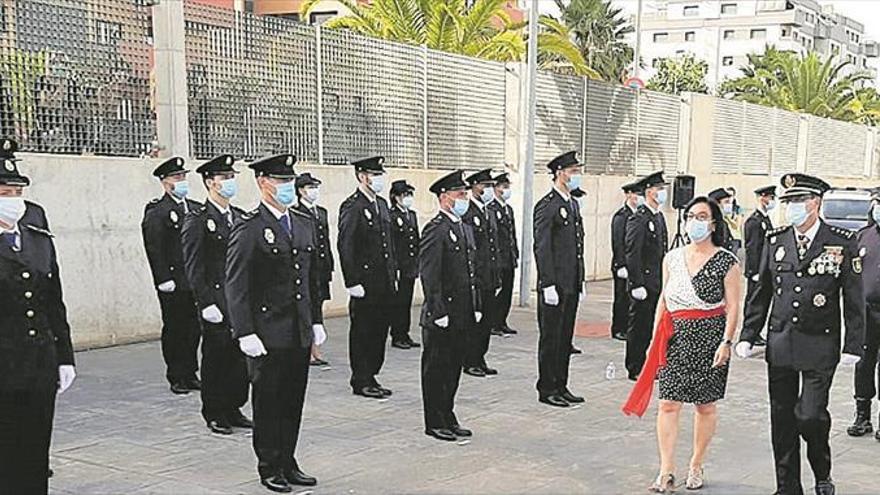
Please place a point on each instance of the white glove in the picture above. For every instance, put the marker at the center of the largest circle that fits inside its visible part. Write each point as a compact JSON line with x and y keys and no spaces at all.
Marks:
{"x":745,"y":350}
{"x":582,"y":295}
{"x":849,"y":359}
{"x":319,"y":334}
{"x":356,"y":292}
{"x":252,"y":346}
{"x":212,"y":314}
{"x":639,"y":294}
{"x":478,"y":316}
{"x":442,"y":322}
{"x":622,"y":273}
{"x":167,"y":287}
{"x":551,"y":297}
{"x":66,"y":375}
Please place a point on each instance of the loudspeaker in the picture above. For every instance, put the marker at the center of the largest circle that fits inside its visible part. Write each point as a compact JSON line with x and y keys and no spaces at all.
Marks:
{"x":683,"y":190}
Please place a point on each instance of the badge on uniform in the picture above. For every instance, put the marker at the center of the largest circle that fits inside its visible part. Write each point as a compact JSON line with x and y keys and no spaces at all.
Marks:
{"x":211,"y":225}
{"x":819,"y":300}
{"x":368,"y":214}
{"x":498,"y":215}
{"x":780,"y":253}
{"x":651,"y":226}
{"x":563,"y":212}
{"x":857,"y":265}
{"x":399,"y":222}
{"x":477,"y":221}
{"x":862,"y":252}
{"x":269,"y":235}
{"x":173,"y":216}
{"x":452,"y":236}
{"x":773,"y":240}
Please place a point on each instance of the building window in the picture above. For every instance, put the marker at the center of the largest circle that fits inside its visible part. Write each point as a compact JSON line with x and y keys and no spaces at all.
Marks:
{"x":249,"y":6}
{"x":109,"y":33}
{"x":690,"y":36}
{"x":727,"y":61}
{"x":728,"y":9}
{"x":786,"y":32}
{"x":691,"y":10}
{"x":794,"y":35}
{"x":318,"y":18}
{"x":835,"y":49}
{"x":758,"y":34}
{"x":729,"y":34}
{"x":655,"y":62}
{"x":661,"y":37}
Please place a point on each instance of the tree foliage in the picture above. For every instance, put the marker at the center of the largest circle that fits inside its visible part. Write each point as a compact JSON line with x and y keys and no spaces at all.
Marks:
{"x":598,"y":30}
{"x":680,"y":74}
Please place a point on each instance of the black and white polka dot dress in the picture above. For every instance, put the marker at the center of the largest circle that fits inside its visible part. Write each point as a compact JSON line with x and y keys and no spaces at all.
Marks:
{"x":688,"y":375}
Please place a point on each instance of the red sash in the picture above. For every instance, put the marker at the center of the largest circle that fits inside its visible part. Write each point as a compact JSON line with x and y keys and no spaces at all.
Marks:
{"x":640,"y":396}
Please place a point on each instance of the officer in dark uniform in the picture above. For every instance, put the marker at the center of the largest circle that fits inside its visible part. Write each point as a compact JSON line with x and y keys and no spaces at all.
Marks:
{"x":36,"y":355}
{"x":755,"y":230}
{"x":271,"y":266}
{"x":508,"y":253}
{"x":725,"y":200}
{"x":580,"y":196}
{"x":163,"y":221}
{"x":866,"y":369}
{"x":559,"y":255}
{"x":805,"y":269}
{"x":620,"y":307}
{"x":646,"y":242}
{"x":447,"y":264}
{"x":204,"y":238}
{"x":405,"y":237}
{"x":308,"y":191}
{"x":485,"y":228}
{"x":366,"y":254}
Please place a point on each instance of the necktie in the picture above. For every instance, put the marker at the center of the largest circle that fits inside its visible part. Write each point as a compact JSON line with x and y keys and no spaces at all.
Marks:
{"x":10,"y":239}
{"x":285,"y":225}
{"x":802,"y":242}
{"x":229,"y":218}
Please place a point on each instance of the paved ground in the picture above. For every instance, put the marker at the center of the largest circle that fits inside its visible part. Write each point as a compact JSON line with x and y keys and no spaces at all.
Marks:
{"x":119,"y":430}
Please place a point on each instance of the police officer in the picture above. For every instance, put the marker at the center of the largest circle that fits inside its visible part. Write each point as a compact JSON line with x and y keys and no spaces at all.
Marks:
{"x":270,"y":271}
{"x":203,"y":240}
{"x":620,"y":306}
{"x":36,"y":355}
{"x":366,"y":254}
{"x":405,"y":237}
{"x":866,"y":369}
{"x":447,"y":264}
{"x":559,"y":244}
{"x":725,"y":200}
{"x":805,"y":269}
{"x":508,"y":253}
{"x":308,"y":194}
{"x":163,"y":221}
{"x":755,"y":230}
{"x":646,"y":242}
{"x":485,"y":229}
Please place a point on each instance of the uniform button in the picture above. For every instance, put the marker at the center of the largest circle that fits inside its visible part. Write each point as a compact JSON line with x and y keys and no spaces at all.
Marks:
{"x":778,"y":279}
{"x":829,"y":331}
{"x":386,"y":255}
{"x":264,"y":309}
{"x":295,"y":252}
{"x":296,"y":266}
{"x":170,"y":269}
{"x":383,"y":234}
{"x":799,"y":274}
{"x":25,"y":275}
{"x":298,"y":282}
{"x":796,"y":304}
{"x":32,"y":332}
{"x":30,"y":313}
{"x":274,"y":250}
{"x":366,"y":267}
{"x":49,"y":275}
{"x":216,"y":286}
{"x":28,"y":295}
{"x":298,"y":297}
{"x":322,"y":255}
{"x":779,"y":292}
{"x":798,"y":289}
{"x":448,"y":299}
{"x":794,"y":319}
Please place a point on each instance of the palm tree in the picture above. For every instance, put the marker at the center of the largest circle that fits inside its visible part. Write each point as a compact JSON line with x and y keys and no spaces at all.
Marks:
{"x":482,"y":29}
{"x":599,"y":30}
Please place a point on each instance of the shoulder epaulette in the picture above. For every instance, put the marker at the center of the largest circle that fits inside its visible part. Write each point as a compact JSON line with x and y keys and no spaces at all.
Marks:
{"x":845,"y":233}
{"x":250,"y":215}
{"x":777,"y":230}
{"x":298,"y":213}
{"x":198,"y":211}
{"x":39,"y":230}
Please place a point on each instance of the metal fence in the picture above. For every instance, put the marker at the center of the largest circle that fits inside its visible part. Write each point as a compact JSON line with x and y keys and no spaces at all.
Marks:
{"x":755,"y":140}
{"x":75,"y":76}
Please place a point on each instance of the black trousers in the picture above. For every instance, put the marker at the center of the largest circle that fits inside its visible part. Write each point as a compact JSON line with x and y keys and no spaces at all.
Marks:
{"x":866,"y":369}
{"x":224,"y":372}
{"x":620,"y":307}
{"x":370,"y":321}
{"x":556,"y":327}
{"x":180,"y":334}
{"x":799,"y":409}
{"x":504,"y":299}
{"x":442,"y":358}
{"x":479,"y":335}
{"x":401,"y":317}
{"x":640,"y":332}
{"x":25,"y":434}
{"x":279,"y":382}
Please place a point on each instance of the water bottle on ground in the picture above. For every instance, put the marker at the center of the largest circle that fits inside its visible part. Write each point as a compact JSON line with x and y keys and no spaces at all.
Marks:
{"x":610,"y":371}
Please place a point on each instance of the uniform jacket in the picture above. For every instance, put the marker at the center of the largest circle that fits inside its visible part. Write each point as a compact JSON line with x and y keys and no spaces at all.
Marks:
{"x":803,"y":299}
{"x":646,"y":244}
{"x":34,"y":333}
{"x":508,"y":251}
{"x":163,"y":221}
{"x":869,"y":251}
{"x":406,"y":238}
{"x":270,"y":277}
{"x":559,"y":243}
{"x":485,"y":228}
{"x":755,"y":230}
{"x":447,"y":267}
{"x":618,"y":238}
{"x":326,"y":264}
{"x":366,"y":252}
{"x":204,"y":240}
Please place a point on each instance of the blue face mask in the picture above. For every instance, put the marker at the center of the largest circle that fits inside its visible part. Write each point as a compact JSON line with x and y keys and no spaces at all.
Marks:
{"x":796,"y":213}
{"x":698,"y":230}
{"x":875,"y":213}
{"x":505,"y":194}
{"x":228,"y":188}
{"x":574,"y":182}
{"x":771,"y":204}
{"x":377,"y":183}
{"x":662,"y":196}
{"x":285,"y":193}
{"x":181,"y":189}
{"x":727,"y":208}
{"x":640,"y":200}
{"x":460,"y":207}
{"x":488,"y":195}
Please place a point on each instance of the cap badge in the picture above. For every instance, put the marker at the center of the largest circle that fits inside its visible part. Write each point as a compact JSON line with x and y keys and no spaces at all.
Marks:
{"x":7,"y":144}
{"x":289,"y":161}
{"x":10,"y":167}
{"x":789,"y":181}
{"x":229,"y":160}
{"x":180,"y":162}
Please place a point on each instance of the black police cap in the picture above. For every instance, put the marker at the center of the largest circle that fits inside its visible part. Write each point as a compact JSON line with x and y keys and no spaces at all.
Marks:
{"x":577,"y":193}
{"x":564,"y":160}
{"x":502,"y":178}
{"x":798,"y":184}
{"x":481,"y":177}
{"x":221,"y":164}
{"x":719,"y":194}
{"x":172,"y":166}
{"x":632,"y":187}
{"x":306,"y":179}
{"x":373,"y":164}
{"x":278,"y":166}
{"x":766,"y":191}
{"x":450,"y":182}
{"x":400,"y":187}
{"x":9,"y":174}
{"x":653,"y":180}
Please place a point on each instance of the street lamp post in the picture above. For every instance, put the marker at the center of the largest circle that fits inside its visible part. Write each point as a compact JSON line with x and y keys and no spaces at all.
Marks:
{"x":528,"y":169}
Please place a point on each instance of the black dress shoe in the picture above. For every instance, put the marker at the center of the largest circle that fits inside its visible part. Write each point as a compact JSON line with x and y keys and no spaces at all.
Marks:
{"x":192,"y":383}
{"x":619,"y":336}
{"x":760,"y":342}
{"x":179,"y":388}
{"x":400,"y":344}
{"x":570,"y":397}
{"x":370,"y":392}
{"x":319,"y":362}
{"x":413,"y":344}
{"x":475,"y":371}
{"x":441,"y":434}
{"x":575,"y":350}
{"x":825,"y":487}
{"x":489,"y":371}
{"x":508,"y":331}
{"x":633,"y":376}
{"x":277,"y":483}
{"x":461,"y":432}
{"x":238,"y":420}
{"x":297,"y":477}
{"x":386,"y":392}
{"x":220,"y":427}
{"x":554,"y":400}
{"x":497,"y":332}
